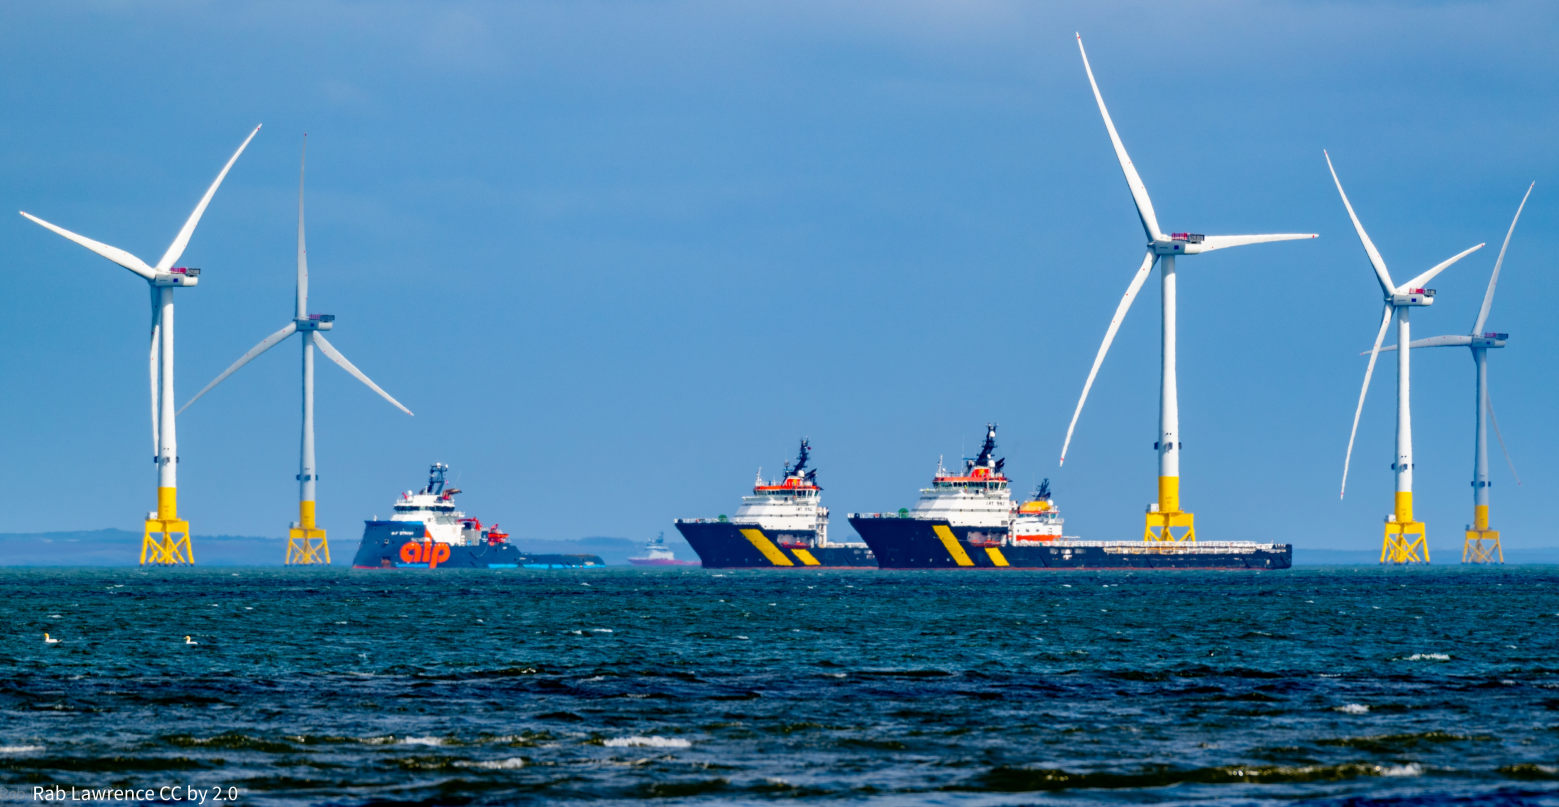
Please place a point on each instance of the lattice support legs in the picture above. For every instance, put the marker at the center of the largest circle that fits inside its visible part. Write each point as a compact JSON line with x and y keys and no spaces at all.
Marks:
{"x":159,"y":544}
{"x":1403,"y":543}
{"x":1482,"y":546}
{"x":306,"y":547}
{"x":1175,"y":526}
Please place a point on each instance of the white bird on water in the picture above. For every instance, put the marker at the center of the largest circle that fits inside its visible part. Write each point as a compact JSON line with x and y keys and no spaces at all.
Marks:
{"x":188,"y":640}
{"x":47,"y":640}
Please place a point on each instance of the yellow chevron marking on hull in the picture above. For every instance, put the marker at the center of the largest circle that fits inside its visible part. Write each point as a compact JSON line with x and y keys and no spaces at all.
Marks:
{"x":767,"y":547}
{"x":996,"y":556}
{"x":806,"y":557}
{"x":954,"y":548}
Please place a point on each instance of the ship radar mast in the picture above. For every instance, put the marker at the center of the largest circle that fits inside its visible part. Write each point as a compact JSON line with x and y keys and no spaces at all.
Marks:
{"x":799,"y":472}
{"x":436,"y":479}
{"x":986,"y":450}
{"x":1042,"y":493}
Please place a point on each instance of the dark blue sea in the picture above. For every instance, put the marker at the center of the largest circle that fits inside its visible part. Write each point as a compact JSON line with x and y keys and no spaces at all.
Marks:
{"x":1328,"y":685}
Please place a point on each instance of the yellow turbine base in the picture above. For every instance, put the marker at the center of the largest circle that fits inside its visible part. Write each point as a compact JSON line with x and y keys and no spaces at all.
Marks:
{"x":306,"y":543}
{"x":307,"y":547}
{"x":1475,"y":551}
{"x":1169,"y":515}
{"x":164,"y":548}
{"x":1399,"y":544}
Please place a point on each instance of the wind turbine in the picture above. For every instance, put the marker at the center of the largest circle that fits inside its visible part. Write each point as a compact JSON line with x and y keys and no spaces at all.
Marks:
{"x":306,"y":542}
{"x":1161,"y":249}
{"x":1473,"y":548}
{"x":1397,"y":546}
{"x":162,"y":279}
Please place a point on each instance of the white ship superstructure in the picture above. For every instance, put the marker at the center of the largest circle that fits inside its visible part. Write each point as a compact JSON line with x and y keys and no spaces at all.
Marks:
{"x":434,"y":506}
{"x":979,"y":498}
{"x":1038,"y":520}
{"x":790,"y":508}
{"x":656,"y":549}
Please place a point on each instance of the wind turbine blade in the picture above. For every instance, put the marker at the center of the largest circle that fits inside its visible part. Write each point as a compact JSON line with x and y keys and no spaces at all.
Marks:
{"x":1213,"y":242}
{"x":1433,"y":341}
{"x":265,"y":344}
{"x":1385,"y":322}
{"x":1490,"y":401}
{"x":303,"y":261}
{"x":1139,"y":192}
{"x":114,"y":254}
{"x":1488,"y":296}
{"x":152,"y":366}
{"x":335,"y":356}
{"x":176,"y":249}
{"x":1369,"y":246}
{"x":1109,"y":336}
{"x":1418,"y":282}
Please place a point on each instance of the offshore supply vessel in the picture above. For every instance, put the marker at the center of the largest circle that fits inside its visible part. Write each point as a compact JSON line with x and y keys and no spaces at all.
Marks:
{"x":781,"y":525}
{"x":425,"y":531}
{"x":969,"y":520}
{"x":656,"y":553}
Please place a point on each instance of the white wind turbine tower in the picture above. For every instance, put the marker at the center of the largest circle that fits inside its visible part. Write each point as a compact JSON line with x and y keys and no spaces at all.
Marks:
{"x":1473,"y":548}
{"x":306,"y":542}
{"x":162,"y":278}
{"x":1398,"y":546}
{"x":1161,"y":249}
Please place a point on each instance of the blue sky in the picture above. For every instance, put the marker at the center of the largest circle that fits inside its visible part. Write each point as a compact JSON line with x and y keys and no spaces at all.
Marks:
{"x":617,"y":256}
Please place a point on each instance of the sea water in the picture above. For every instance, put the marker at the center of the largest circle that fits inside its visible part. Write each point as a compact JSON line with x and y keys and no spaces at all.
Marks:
{"x":326,"y":686}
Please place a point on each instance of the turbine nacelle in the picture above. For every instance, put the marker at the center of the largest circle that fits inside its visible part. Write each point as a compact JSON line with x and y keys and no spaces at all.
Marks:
{"x":316,"y":322}
{"x":177,"y":276}
{"x":1412,"y":297}
{"x":1178,"y":244}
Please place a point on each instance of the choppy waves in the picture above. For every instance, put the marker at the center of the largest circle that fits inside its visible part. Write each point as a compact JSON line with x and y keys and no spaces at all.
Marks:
{"x":495,"y":688}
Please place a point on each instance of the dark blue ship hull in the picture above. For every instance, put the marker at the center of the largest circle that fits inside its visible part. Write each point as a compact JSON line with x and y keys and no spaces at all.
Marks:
{"x":728,"y":545}
{"x":916,"y":543}
{"x":384,"y":547}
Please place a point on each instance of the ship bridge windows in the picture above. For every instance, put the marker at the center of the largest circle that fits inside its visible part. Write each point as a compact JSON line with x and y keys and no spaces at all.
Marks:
{"x":971,"y":484}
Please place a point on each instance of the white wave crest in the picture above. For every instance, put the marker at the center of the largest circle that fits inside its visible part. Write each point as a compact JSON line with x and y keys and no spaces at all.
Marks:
{"x":1427,"y":657}
{"x":19,"y":749}
{"x":652,"y":742}
{"x":1353,"y":709}
{"x":1410,"y":769}
{"x":494,"y":764}
{"x":422,"y":741}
